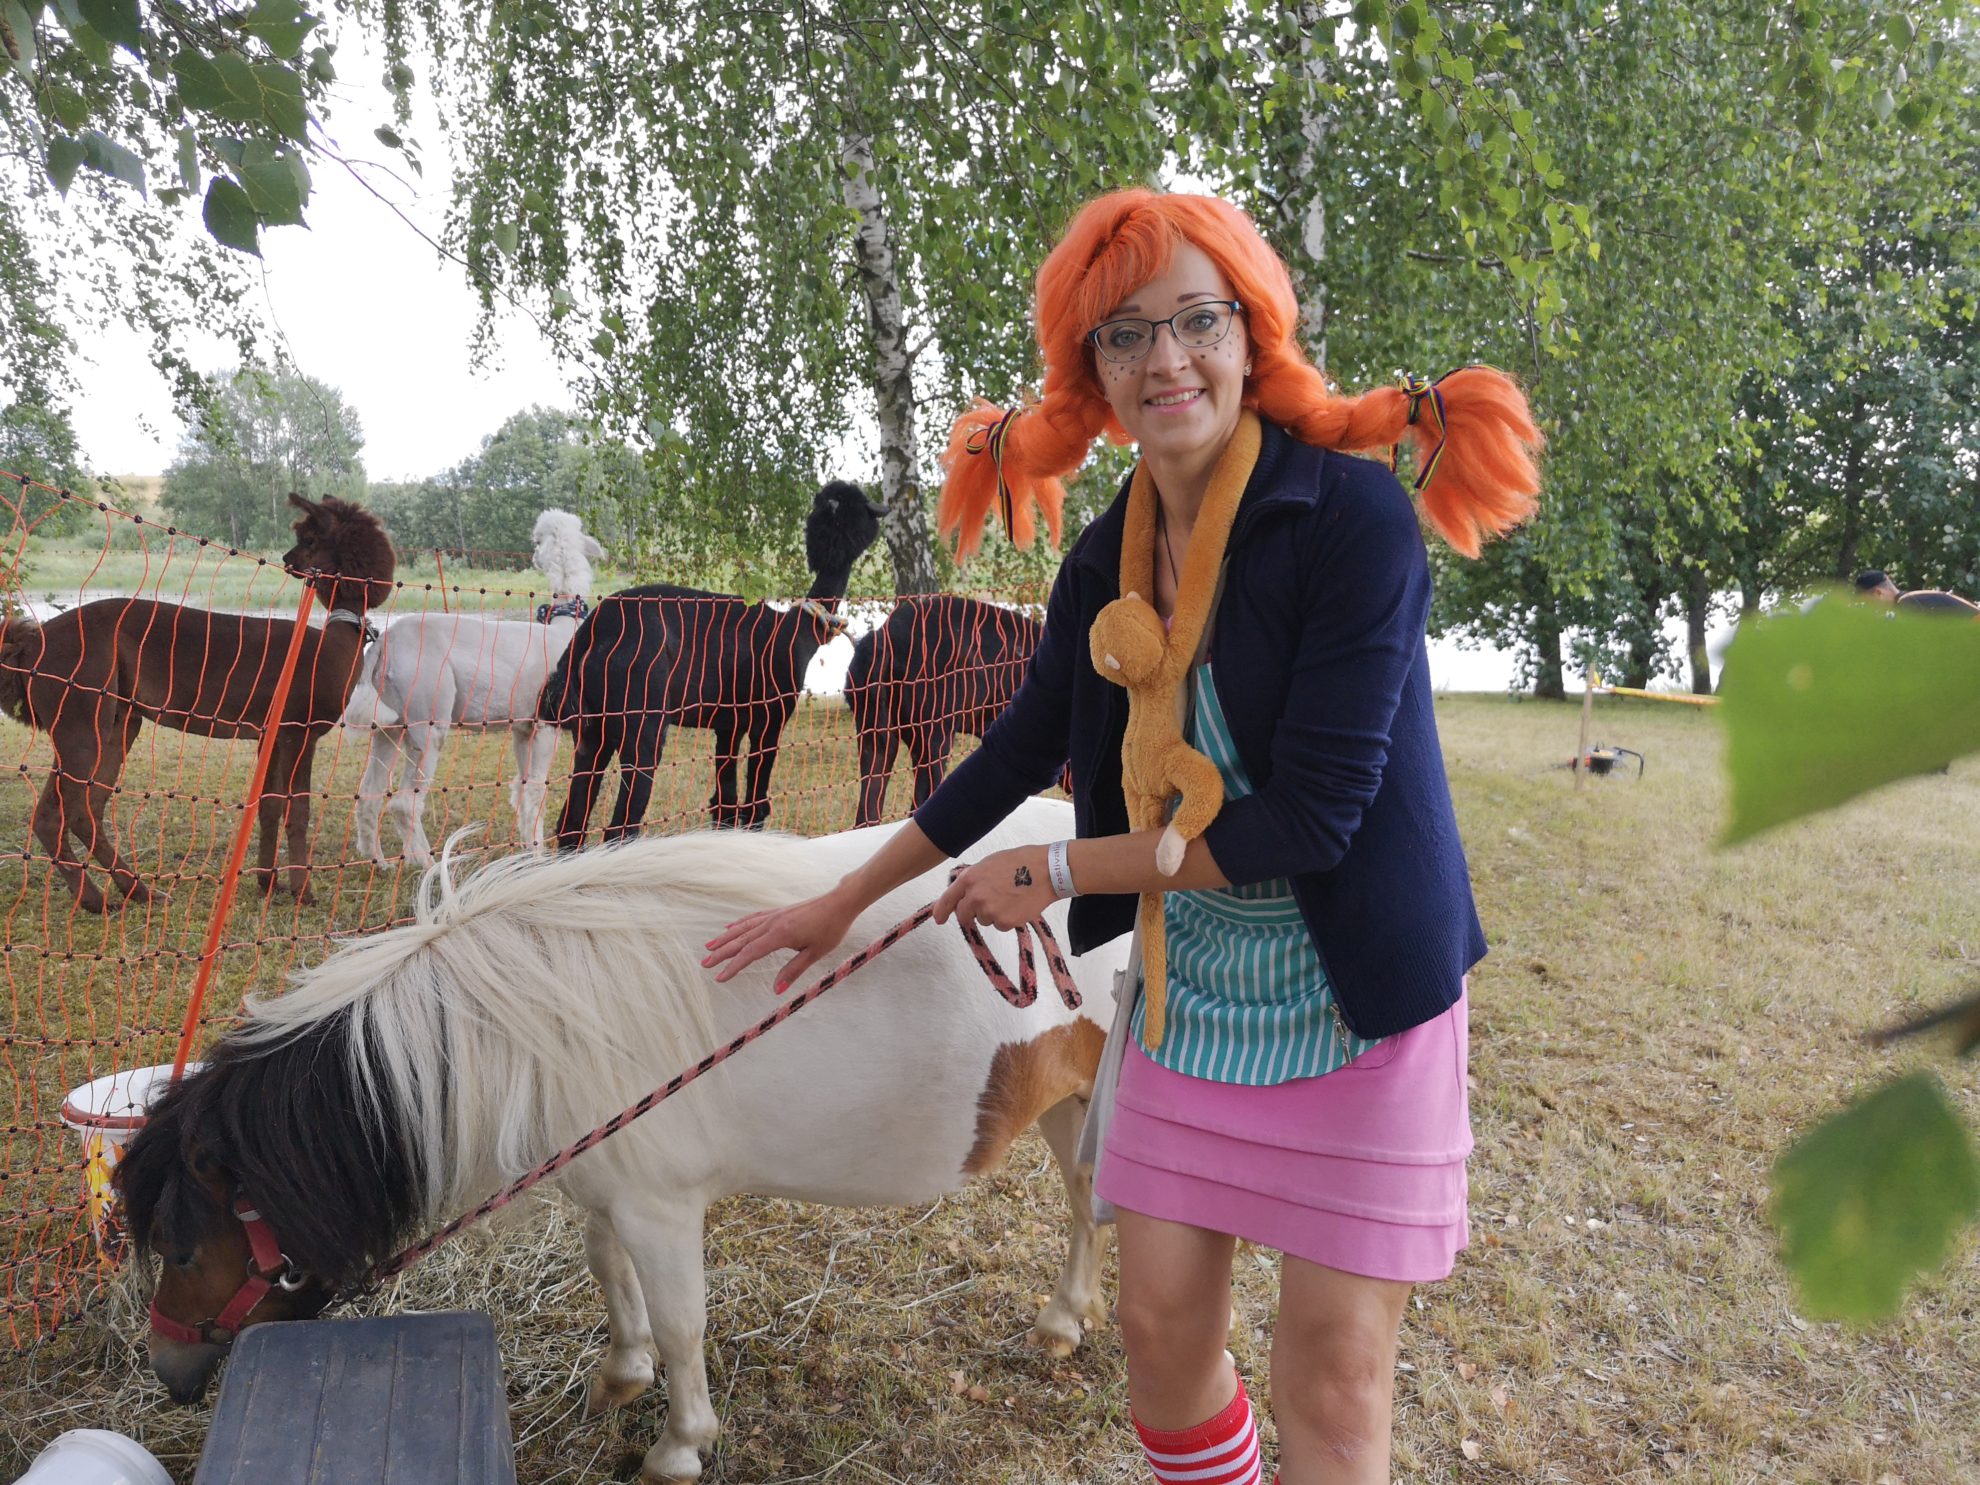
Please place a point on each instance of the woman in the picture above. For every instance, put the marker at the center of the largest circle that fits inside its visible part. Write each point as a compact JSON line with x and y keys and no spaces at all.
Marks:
{"x":1308,"y":1092}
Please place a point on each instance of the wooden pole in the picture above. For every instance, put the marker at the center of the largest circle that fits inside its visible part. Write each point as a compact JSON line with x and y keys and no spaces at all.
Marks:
{"x":1587,"y":710}
{"x":210,"y":955}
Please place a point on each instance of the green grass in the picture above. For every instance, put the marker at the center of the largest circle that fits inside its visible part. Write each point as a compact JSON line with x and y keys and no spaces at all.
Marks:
{"x":1657,"y":1020}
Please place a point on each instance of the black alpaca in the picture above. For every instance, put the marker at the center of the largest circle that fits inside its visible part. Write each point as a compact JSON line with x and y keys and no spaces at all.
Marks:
{"x":940,"y":665}
{"x":661,"y":655}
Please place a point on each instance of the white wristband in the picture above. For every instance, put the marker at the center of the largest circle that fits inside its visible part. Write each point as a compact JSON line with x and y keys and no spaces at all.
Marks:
{"x":1059,"y":869}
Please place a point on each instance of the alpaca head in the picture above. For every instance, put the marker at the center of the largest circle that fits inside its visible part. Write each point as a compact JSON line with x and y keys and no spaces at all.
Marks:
{"x":564,"y":553}
{"x":347,"y":545}
{"x":843,"y":523}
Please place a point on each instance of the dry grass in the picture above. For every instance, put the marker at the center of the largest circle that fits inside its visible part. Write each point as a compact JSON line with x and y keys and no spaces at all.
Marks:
{"x":1656,"y":1021}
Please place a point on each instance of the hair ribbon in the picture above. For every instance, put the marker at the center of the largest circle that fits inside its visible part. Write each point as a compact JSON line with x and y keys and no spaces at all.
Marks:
{"x":1419,"y":391}
{"x":991,"y":440}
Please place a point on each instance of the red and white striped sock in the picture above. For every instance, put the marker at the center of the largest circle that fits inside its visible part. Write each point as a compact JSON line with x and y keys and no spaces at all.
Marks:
{"x":1221,"y":1451}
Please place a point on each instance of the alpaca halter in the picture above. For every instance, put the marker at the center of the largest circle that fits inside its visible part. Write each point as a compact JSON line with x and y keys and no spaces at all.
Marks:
{"x":353,"y":617}
{"x":573,"y":607}
{"x":991,"y":440}
{"x":1418,"y":390}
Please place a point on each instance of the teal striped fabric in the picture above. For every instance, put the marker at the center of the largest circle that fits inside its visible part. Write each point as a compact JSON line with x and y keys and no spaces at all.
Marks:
{"x":1248,"y":1001}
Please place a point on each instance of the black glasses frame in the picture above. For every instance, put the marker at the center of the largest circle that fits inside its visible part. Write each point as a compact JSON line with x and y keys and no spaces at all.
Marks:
{"x":1236,"y":307}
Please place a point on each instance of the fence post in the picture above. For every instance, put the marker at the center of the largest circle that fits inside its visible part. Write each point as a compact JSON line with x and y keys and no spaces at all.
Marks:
{"x":211,"y":953}
{"x":440,"y":568}
{"x":1587,"y":707}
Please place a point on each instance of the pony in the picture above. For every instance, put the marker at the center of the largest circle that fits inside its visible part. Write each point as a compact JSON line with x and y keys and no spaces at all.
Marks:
{"x":940,"y":665}
{"x":91,"y":677}
{"x":417,"y":1070}
{"x":661,"y":655}
{"x":432,"y":672}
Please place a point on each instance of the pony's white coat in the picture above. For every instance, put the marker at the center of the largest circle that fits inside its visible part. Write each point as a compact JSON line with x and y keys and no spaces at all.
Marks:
{"x":428,"y":673}
{"x":531,"y":1002}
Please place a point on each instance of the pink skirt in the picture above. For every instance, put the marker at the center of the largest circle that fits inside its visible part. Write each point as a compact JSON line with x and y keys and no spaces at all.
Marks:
{"x":1361,"y":1170}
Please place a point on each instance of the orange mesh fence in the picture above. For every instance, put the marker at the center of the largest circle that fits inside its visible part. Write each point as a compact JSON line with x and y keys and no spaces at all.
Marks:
{"x":138,"y":668}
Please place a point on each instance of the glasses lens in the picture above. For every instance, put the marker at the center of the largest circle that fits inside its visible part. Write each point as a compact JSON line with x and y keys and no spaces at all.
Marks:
{"x":1124,"y":340}
{"x":1202,"y":324}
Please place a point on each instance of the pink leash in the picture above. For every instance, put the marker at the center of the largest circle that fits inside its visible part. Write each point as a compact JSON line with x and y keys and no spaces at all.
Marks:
{"x":1021,"y":994}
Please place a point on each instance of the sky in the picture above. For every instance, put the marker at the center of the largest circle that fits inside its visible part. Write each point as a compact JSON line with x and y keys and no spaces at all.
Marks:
{"x":364,"y":303}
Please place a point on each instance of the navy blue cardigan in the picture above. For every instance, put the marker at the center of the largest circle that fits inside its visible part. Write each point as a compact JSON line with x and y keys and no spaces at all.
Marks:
{"x":1324,"y":680}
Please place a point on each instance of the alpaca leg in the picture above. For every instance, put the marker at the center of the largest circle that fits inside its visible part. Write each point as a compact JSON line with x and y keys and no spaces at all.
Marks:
{"x":536,"y":750}
{"x":931,"y":761}
{"x":766,"y":738}
{"x":639,"y":760}
{"x":108,"y":767}
{"x":597,"y":742}
{"x":627,"y":1370}
{"x":722,"y":807}
{"x":1076,"y":1297}
{"x":297,"y":818}
{"x":878,"y":748}
{"x":63,"y":799}
{"x":381,"y":763}
{"x":424,"y":742}
{"x":665,"y":1246}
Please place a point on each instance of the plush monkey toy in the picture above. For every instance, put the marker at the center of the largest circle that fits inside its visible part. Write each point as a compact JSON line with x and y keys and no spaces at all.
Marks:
{"x":1130,"y":649}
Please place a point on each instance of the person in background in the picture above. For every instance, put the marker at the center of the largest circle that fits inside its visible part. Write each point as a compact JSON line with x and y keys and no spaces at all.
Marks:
{"x":1873,"y":586}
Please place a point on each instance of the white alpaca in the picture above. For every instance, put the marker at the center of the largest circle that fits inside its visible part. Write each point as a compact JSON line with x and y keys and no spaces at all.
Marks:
{"x":431,"y":672}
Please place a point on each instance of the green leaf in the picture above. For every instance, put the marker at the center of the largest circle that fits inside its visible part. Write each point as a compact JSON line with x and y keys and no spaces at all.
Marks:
{"x":604,"y":342}
{"x":1824,"y":705}
{"x":64,"y":155}
{"x":270,"y":183}
{"x":230,"y":217}
{"x":281,"y":98}
{"x":388,"y":137}
{"x":223,"y":86}
{"x":102,"y":153}
{"x":506,"y":238}
{"x":65,"y":103}
{"x":281,"y":24}
{"x":116,"y":21}
{"x":21,"y":27}
{"x":1883,"y":104}
{"x":1872,"y":1197}
{"x":1900,"y":29}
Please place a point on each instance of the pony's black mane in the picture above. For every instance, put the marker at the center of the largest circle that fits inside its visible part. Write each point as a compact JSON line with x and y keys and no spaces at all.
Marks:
{"x":300,"y":1141}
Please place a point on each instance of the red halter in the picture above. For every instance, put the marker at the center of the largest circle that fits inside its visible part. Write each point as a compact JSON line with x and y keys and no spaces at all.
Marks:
{"x":268,"y":1268}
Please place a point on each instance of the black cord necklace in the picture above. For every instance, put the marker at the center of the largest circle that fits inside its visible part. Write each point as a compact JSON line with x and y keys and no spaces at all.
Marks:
{"x":1162,"y":526}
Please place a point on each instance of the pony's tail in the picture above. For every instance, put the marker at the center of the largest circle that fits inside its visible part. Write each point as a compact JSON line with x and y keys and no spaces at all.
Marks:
{"x":1475,"y":440}
{"x":1009,"y":464}
{"x":20,"y":649}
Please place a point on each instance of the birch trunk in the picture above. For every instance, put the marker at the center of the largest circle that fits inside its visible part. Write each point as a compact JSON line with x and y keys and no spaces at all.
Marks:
{"x":1304,"y":207}
{"x":905,"y":525}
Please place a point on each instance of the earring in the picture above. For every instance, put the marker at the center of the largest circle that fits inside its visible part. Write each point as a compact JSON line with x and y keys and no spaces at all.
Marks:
{"x":1247,"y":368}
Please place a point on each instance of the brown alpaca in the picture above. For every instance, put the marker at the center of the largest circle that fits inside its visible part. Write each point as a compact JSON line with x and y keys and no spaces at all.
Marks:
{"x":90,"y":678}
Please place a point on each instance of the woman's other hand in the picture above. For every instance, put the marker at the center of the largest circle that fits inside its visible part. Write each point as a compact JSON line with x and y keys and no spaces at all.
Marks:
{"x":813,"y":927}
{"x":1003,"y":890}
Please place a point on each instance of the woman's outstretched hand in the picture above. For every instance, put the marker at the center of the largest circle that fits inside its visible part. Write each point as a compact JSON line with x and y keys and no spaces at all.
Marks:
{"x":814,"y":927}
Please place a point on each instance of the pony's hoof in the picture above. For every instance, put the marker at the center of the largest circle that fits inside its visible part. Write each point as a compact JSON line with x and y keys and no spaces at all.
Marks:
{"x":142,"y":895}
{"x":267,"y":881}
{"x":670,"y":1464}
{"x":1056,"y":1333}
{"x":604,"y":1394}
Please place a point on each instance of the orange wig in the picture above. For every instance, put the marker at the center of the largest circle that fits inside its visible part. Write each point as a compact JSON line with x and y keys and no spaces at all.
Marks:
{"x":1474,"y":437}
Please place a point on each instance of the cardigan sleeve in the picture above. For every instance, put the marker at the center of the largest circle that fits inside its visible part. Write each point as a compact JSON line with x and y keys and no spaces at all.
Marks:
{"x":1365,"y":603}
{"x":1025,"y":748}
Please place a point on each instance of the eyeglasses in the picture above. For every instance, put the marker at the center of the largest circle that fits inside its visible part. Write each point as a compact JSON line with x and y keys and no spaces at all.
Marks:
{"x":1194,"y":328}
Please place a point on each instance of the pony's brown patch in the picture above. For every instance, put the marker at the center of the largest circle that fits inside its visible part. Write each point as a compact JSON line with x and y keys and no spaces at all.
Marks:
{"x":1026,"y":1079}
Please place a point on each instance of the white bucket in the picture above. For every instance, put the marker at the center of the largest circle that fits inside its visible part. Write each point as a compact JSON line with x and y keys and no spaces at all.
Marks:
{"x":106,"y":1112}
{"x":95,"y":1456}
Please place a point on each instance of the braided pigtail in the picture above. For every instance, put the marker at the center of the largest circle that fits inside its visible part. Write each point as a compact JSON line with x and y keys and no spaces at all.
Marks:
{"x":1009,"y":464}
{"x":1474,"y":438}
